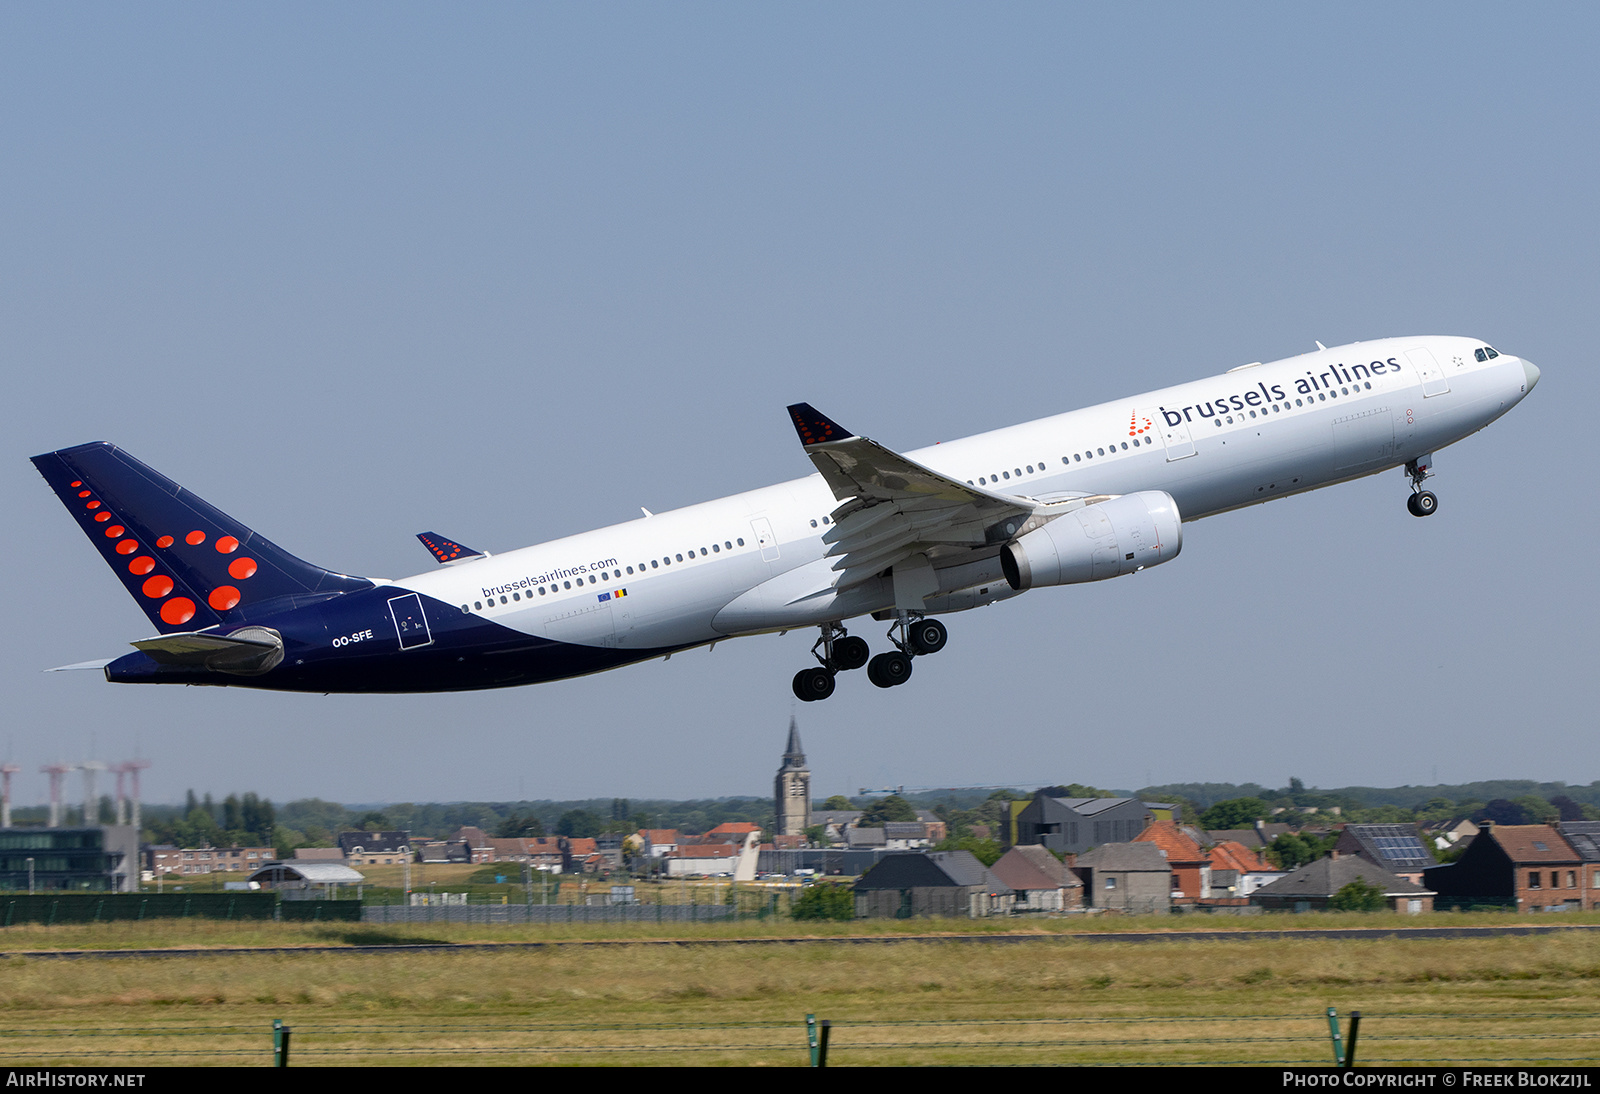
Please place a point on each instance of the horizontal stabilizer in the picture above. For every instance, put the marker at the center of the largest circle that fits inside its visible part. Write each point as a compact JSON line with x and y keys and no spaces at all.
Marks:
{"x":448,"y":550}
{"x":246,"y":652}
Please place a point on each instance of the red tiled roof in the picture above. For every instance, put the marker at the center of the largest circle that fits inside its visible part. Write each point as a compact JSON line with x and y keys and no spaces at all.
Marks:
{"x":1167,"y":836}
{"x":1520,"y":842}
{"x":1233,"y":855}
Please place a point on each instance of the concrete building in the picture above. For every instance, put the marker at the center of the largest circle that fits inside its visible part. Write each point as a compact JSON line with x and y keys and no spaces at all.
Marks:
{"x":95,"y":859}
{"x":1126,"y":877}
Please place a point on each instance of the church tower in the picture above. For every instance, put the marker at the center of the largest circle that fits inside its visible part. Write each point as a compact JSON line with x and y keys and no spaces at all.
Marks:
{"x":792,"y":788}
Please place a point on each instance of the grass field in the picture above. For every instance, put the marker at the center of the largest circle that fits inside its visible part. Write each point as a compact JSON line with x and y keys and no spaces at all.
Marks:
{"x":1054,"y":1000}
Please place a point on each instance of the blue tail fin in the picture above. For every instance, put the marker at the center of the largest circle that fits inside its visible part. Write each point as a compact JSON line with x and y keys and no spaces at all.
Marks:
{"x":186,"y":563}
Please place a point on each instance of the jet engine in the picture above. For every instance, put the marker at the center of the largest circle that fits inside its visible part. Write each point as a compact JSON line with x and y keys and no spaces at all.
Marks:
{"x":1108,"y":538}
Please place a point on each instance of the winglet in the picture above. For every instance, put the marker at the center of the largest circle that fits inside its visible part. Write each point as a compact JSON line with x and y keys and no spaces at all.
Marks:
{"x":446,"y":550}
{"x":816,"y":427}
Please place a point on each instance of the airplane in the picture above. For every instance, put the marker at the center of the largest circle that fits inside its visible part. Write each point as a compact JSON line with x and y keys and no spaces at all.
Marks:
{"x":1082,"y":496}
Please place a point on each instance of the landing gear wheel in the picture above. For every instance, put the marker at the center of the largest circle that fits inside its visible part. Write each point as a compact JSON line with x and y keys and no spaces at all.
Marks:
{"x":928,"y":636}
{"x":1422,"y":504}
{"x":889,"y":670}
{"x":813,"y":684}
{"x":850,"y":653}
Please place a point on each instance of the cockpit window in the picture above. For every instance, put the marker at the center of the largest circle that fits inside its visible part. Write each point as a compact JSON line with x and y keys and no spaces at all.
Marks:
{"x":1487,"y":353}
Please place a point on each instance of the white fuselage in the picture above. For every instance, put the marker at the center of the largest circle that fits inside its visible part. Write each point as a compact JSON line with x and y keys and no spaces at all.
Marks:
{"x":755,"y":562}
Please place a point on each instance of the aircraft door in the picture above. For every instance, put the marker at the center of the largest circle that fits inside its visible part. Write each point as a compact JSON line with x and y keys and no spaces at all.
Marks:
{"x":1433,"y":381}
{"x":622,"y":619}
{"x":1180,"y":445}
{"x":410,"y":623}
{"x":765,"y":539}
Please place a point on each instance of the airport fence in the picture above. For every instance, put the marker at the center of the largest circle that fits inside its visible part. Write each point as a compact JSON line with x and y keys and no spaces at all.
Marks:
{"x":1556,"y":1038}
{"x":554,"y":913}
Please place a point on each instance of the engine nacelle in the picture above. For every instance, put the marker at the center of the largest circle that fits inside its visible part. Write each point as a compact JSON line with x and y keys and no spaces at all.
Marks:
{"x":1098,"y":541}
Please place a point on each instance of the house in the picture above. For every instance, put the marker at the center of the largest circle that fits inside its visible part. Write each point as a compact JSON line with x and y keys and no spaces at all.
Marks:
{"x":1257,"y":838}
{"x":865,"y":839}
{"x":941,"y":883}
{"x":1313,"y":886}
{"x":907,"y":835}
{"x":444,"y":851}
{"x":1187,"y":861}
{"x":834,"y":822}
{"x":1528,"y":867}
{"x":1073,"y":825}
{"x":165,"y":860}
{"x":375,"y":848}
{"x":1398,"y":848}
{"x":1584,"y":837}
{"x":658,"y":841}
{"x":1237,"y":871}
{"x":1041,"y":882}
{"x":1126,"y":877}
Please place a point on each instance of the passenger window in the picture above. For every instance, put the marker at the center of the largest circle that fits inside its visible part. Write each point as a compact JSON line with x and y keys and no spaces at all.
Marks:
{"x":741,"y":543}
{"x":653,"y":564}
{"x":541,"y":590}
{"x":728,"y":545}
{"x":516,"y":596}
{"x":478,"y":605}
{"x":1124,"y":446}
{"x":1076,"y":457}
{"x":1007,"y":474}
{"x":813,"y":524}
{"x":680,"y":557}
{"x":716,"y":548}
{"x":1030,"y":469}
{"x":1019,"y":472}
{"x":1101,"y":451}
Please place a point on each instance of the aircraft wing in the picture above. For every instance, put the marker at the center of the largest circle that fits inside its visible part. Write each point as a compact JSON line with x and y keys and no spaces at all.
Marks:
{"x":893,"y":509}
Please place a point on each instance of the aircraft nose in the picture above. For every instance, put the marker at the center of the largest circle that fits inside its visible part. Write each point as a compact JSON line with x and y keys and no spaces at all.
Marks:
{"x":1530,"y":371}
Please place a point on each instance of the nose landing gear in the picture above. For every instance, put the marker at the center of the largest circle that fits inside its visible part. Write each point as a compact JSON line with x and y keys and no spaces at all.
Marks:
{"x":1421,"y":503}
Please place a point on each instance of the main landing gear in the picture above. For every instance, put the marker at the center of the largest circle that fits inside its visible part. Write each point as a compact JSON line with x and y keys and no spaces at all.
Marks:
{"x":1421,"y":503}
{"x":837,"y":652}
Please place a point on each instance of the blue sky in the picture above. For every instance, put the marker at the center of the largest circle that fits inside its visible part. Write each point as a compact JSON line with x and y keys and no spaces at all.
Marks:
{"x":512,"y":271}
